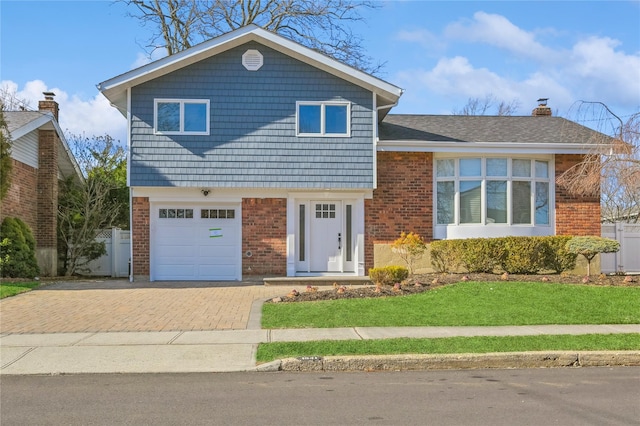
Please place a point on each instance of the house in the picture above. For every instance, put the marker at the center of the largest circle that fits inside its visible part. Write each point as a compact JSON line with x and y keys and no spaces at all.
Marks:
{"x":40,"y":159}
{"x":250,"y":154}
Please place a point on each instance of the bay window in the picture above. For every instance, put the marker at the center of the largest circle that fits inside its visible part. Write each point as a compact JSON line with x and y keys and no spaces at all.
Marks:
{"x":492,"y":191}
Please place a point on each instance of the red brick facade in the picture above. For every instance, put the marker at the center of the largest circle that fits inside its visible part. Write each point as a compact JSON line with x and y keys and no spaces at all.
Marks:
{"x":33,"y":198}
{"x":21,"y":199}
{"x":140,"y":228}
{"x":264,"y":234}
{"x":403,"y":200}
{"x":47,"y":189}
{"x":575,"y":215}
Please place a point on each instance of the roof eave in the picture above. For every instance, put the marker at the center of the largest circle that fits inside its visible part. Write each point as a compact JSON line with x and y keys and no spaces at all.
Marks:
{"x":486,"y":147}
{"x":115,"y":89}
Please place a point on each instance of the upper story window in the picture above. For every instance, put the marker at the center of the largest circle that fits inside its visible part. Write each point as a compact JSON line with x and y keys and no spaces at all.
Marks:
{"x":181,"y":116}
{"x":323,"y":119}
{"x":487,"y":191}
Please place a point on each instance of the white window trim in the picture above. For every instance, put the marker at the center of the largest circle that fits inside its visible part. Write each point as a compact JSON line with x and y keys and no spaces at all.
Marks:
{"x":322,"y":119}
{"x":182,"y":102}
{"x":442,"y":230}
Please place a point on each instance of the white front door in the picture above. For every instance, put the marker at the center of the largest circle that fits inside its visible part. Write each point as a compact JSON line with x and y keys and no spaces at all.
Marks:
{"x":327,"y":239}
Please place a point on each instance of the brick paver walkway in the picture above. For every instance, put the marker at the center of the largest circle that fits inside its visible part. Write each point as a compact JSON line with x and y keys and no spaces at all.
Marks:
{"x":117,"y":305}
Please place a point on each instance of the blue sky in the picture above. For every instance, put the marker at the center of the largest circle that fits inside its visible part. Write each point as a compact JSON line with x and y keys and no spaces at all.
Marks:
{"x":440,"y":53}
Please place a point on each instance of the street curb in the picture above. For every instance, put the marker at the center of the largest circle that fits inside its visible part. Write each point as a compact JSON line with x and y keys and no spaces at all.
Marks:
{"x":551,"y":359}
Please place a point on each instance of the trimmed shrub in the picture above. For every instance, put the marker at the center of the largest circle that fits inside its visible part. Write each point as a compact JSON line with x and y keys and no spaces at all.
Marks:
{"x":516,"y":255}
{"x":18,"y":251}
{"x":525,"y":255}
{"x":557,"y":258}
{"x":446,"y":255}
{"x":388,"y":275}
{"x":589,"y":247}
{"x":482,"y":254}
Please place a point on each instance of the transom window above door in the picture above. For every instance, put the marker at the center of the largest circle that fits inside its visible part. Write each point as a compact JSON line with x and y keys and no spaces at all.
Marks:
{"x":181,"y":116}
{"x":323,"y":119}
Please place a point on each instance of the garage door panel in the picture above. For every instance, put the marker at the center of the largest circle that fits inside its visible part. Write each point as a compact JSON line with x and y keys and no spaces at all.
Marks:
{"x":167,"y":251}
{"x":218,"y":270}
{"x":196,"y":248}
{"x":175,"y":271}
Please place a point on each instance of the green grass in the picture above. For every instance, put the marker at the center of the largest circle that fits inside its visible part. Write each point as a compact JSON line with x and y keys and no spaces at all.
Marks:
{"x":588,"y":342}
{"x":467,"y":304}
{"x":11,"y":289}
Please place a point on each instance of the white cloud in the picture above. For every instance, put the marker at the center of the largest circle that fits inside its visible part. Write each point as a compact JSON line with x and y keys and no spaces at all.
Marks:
{"x":593,"y":68}
{"x":457,"y":80}
{"x":603,"y":71}
{"x":91,"y":117}
{"x":496,"y":30}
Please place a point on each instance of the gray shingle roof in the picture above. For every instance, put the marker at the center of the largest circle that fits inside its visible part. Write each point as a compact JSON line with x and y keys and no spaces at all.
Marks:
{"x":473,"y":128}
{"x":18,"y":119}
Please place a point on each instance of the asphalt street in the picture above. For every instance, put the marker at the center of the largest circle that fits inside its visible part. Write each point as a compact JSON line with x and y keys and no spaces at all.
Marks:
{"x":568,"y":396}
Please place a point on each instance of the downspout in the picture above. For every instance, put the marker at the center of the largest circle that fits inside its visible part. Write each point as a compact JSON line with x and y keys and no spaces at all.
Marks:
{"x":129,"y":185}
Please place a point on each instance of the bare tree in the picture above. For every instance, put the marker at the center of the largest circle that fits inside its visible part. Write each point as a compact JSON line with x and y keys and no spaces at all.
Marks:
{"x":322,"y":25}
{"x":613,"y":165}
{"x":489,"y":105}
{"x":99,"y":201}
{"x":11,"y":101}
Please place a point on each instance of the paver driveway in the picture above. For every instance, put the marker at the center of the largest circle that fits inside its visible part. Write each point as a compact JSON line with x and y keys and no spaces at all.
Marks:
{"x":118,"y":305}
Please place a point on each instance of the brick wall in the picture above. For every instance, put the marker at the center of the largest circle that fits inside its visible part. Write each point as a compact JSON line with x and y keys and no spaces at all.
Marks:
{"x":403,"y":200}
{"x":575,"y":215}
{"x":264,"y":234}
{"x":140,"y":228}
{"x":47,"y":189}
{"x":22,"y":198}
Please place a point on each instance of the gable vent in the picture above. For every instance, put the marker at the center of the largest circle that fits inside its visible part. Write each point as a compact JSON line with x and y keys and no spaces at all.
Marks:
{"x":252,"y":60}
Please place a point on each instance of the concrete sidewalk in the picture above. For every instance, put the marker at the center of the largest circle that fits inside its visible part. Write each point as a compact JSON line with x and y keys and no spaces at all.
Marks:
{"x":234,"y":350}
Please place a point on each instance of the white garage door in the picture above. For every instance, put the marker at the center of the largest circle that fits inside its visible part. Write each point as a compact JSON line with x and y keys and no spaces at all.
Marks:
{"x":196,"y":242}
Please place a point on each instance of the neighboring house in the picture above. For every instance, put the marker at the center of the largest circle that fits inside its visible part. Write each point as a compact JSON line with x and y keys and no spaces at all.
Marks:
{"x":40,"y":158}
{"x":250,"y":154}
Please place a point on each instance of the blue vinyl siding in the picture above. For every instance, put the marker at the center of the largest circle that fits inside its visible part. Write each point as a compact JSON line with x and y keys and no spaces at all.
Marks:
{"x":252,"y":141}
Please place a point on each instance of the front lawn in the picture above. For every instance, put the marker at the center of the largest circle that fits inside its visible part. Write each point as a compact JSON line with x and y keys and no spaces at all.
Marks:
{"x":588,"y":342}
{"x":467,"y":304}
{"x":11,"y":289}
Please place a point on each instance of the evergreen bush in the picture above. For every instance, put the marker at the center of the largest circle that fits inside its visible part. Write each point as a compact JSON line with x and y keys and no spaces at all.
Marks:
{"x":524,"y":255}
{"x":589,"y":247}
{"x":446,"y":255}
{"x":557,"y":257}
{"x":388,"y":275}
{"x":18,"y":251}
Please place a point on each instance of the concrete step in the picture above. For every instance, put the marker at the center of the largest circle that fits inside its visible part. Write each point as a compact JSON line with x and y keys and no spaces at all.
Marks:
{"x":317,"y":281}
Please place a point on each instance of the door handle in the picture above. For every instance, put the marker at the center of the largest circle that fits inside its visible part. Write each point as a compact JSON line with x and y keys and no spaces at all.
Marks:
{"x":339,"y":241}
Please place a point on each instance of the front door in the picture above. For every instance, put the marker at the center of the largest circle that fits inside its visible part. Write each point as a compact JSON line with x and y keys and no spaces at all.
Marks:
{"x":326,"y":236}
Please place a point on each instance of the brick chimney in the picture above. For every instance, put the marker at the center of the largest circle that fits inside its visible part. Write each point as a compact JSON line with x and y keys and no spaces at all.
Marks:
{"x":542,"y":110}
{"x":47,"y":201}
{"x":49,"y":104}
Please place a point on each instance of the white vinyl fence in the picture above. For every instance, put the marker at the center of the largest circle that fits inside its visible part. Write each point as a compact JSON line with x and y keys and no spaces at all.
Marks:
{"x":627,"y":260}
{"x":116,"y":262}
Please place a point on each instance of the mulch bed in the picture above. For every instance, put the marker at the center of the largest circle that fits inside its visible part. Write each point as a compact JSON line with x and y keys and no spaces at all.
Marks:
{"x":425,"y":282}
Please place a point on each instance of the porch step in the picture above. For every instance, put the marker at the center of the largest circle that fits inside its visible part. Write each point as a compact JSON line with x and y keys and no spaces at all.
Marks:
{"x":316,"y":281}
